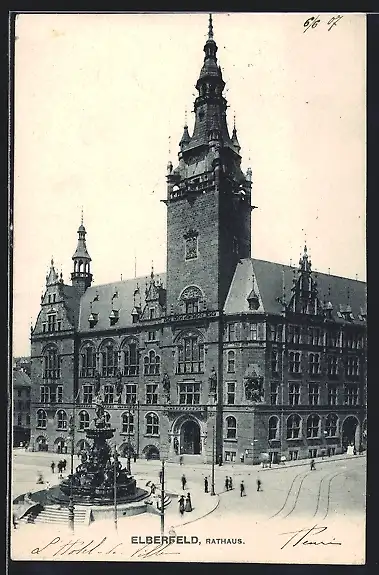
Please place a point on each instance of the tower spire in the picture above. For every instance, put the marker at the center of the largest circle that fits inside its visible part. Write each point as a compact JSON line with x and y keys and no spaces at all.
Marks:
{"x":210,"y":28}
{"x":81,"y":277}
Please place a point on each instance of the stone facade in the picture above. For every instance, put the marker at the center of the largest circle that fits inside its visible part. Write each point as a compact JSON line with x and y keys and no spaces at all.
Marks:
{"x":258,"y":357}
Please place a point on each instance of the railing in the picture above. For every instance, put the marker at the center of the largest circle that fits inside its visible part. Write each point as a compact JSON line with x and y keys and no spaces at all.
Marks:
{"x":190,"y":367}
{"x":52,"y":374}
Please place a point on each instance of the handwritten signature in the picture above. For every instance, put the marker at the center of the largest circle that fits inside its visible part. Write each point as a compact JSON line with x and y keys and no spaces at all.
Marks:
{"x":299,"y":536}
{"x":103,"y":547}
{"x":313,"y":22}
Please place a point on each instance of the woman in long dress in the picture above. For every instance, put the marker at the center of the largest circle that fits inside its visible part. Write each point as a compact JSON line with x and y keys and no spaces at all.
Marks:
{"x":188,"y":503}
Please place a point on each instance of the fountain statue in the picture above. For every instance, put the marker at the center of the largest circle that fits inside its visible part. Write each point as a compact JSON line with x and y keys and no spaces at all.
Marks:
{"x":93,"y":481}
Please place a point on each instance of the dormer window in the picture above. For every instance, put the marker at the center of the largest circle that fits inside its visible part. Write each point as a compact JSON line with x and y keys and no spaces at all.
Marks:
{"x":135,"y":314}
{"x":253,"y":300}
{"x":93,"y":319}
{"x":113,"y":316}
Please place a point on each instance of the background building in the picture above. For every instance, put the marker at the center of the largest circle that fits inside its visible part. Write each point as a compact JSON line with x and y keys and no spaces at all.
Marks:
{"x":269,"y":358}
{"x":21,"y":401}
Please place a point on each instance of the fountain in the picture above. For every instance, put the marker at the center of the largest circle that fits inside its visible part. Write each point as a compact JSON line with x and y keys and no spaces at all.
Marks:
{"x":94,"y":481}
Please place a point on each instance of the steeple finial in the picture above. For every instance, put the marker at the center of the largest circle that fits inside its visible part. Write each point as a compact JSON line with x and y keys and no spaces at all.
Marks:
{"x":185,"y":118}
{"x":210,"y":28}
{"x":81,"y":216}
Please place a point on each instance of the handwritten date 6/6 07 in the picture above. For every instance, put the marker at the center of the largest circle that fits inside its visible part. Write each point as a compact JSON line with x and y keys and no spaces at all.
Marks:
{"x":314,"y":21}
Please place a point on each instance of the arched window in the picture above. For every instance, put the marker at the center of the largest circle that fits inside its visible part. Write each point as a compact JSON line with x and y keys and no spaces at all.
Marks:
{"x":88,"y":361}
{"x":152,"y":424}
{"x":231,"y":428}
{"x":331,"y":425}
{"x":293,"y":426}
{"x":131,"y":358}
{"x":109,"y":357}
{"x":273,"y":427}
{"x":190,"y":353}
{"x":83,"y":420}
{"x":51,"y":363}
{"x":152,"y":363}
{"x":127,"y":423}
{"x":294,"y":363}
{"x":41,"y":419}
{"x":313,"y":425}
{"x":61,"y":419}
{"x":231,"y":361}
{"x":191,"y":298}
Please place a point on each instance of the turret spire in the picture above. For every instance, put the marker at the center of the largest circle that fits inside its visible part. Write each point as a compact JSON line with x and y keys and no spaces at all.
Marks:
{"x":210,"y":28}
{"x":81,"y":276}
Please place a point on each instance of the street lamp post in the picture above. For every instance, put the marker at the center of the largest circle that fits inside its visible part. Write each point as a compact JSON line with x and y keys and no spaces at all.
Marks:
{"x":130,"y":411}
{"x":213,"y":462}
{"x":115,"y":460}
{"x":71,"y":516}
{"x":162,"y":499}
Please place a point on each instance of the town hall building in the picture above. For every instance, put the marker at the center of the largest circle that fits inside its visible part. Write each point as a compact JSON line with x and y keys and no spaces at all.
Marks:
{"x":253,"y":356}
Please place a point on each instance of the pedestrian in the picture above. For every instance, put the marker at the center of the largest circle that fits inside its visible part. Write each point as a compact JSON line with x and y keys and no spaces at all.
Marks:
{"x":181,"y":504}
{"x":40,"y":478}
{"x":160,"y":476}
{"x":153,"y":488}
{"x":313,"y":467}
{"x":206,"y":485}
{"x":230,"y":483}
{"x":220,"y":460}
{"x":259,"y":483}
{"x":64,"y":465}
{"x":184,"y":481}
{"x":181,"y":459}
{"x":188,"y":506}
{"x":52,"y":466}
{"x":242,"y":489}
{"x":134,"y":457}
{"x":226,"y":483}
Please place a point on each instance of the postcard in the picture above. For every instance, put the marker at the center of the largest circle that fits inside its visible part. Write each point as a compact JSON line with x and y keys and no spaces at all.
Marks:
{"x":189,"y":293}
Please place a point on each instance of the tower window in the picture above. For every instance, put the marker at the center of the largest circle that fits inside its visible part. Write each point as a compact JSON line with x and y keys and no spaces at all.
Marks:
{"x":51,"y":322}
{"x":191,"y":248}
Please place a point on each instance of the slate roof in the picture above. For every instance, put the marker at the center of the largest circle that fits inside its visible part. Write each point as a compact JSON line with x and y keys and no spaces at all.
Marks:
{"x":21,"y":379}
{"x":269,"y":286}
{"x":72,"y":303}
{"x":124,"y":302}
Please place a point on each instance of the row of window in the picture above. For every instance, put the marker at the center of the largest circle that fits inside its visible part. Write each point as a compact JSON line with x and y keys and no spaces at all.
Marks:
{"x":127,"y":421}
{"x":294,"y":363}
{"x":190,"y":359}
{"x":293,"y":427}
{"x":350,"y":394}
{"x":190,"y":394}
{"x":293,"y":424}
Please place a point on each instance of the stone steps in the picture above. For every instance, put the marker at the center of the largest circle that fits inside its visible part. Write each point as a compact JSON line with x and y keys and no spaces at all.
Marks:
{"x":56,"y":515}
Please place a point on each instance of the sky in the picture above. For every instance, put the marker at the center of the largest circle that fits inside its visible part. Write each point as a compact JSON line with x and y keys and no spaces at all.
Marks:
{"x":100,"y":104}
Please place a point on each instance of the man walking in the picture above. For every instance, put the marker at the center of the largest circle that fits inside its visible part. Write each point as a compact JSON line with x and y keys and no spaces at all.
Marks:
{"x":242,"y":489}
{"x":230,"y":483}
{"x":259,"y":483}
{"x":184,"y":482}
{"x":226,"y":483}
{"x":52,"y":466}
{"x":313,"y":467}
{"x":206,"y":490}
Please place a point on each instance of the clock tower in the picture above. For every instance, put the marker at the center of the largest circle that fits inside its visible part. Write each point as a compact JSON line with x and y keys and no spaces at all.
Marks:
{"x":208,"y":201}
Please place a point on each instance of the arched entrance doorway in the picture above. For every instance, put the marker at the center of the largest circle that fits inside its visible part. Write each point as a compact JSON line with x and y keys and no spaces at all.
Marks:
{"x":60,"y":445}
{"x":350,"y":432}
{"x":42,"y":444}
{"x":190,"y":438}
{"x":151,"y":452}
